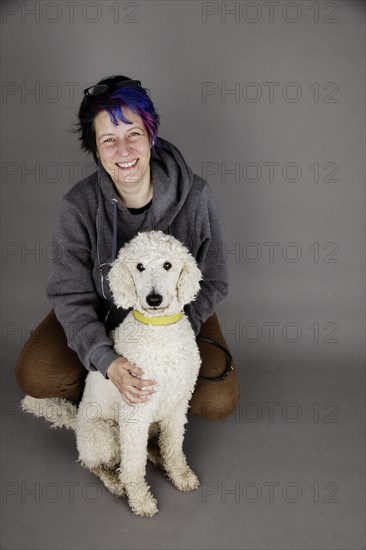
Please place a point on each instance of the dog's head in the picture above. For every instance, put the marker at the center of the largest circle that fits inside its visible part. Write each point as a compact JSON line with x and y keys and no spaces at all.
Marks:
{"x":154,"y":273}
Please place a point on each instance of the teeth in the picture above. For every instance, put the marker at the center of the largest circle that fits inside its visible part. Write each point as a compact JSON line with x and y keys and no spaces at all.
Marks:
{"x":127,"y":164}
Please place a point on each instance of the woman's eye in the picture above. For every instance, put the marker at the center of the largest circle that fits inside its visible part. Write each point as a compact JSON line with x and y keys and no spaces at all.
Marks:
{"x":167,"y":265}
{"x":133,"y":134}
{"x":109,"y":139}
{"x":140,"y":267}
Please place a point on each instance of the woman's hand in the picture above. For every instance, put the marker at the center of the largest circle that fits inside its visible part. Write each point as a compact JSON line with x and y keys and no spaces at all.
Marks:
{"x":127,"y":378}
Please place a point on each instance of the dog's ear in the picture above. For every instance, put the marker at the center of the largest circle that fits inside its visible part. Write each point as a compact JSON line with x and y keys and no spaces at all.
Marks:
{"x":121,"y":282}
{"x":188,"y":283}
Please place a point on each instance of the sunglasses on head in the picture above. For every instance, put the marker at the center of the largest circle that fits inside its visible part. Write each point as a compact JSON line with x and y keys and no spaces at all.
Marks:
{"x":103,"y":89}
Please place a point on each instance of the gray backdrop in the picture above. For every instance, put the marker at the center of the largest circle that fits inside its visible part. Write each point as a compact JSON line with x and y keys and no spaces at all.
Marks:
{"x":266,"y":101}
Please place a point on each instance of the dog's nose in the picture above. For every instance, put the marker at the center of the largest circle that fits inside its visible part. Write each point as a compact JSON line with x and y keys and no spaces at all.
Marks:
{"x":154,"y":300}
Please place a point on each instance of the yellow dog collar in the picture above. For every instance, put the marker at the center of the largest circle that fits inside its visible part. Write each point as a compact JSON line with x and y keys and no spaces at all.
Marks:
{"x":167,"y":320}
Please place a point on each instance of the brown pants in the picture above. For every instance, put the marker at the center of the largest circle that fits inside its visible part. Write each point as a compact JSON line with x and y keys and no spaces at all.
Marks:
{"x":47,"y":367}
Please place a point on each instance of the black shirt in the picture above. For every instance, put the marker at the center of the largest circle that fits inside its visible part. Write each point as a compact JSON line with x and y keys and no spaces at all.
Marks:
{"x":140,"y":210}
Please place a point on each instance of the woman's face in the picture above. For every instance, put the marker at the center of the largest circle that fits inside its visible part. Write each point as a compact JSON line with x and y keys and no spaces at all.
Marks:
{"x":123,"y":150}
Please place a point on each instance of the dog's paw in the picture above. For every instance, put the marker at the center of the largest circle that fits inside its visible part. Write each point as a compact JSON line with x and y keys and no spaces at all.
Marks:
{"x":148,"y":508}
{"x":141,"y":501}
{"x":185,"y":480}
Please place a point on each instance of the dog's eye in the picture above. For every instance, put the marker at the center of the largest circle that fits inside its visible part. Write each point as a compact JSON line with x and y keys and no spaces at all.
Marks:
{"x":167,"y":265}
{"x":140,"y":267}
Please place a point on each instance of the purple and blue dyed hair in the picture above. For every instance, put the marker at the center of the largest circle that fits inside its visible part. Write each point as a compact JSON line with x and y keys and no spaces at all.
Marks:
{"x":135,"y":99}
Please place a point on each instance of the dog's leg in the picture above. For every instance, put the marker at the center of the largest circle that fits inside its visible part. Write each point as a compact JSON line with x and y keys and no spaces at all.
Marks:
{"x":110,"y":478}
{"x":134,"y":436}
{"x":171,"y":445}
{"x":99,"y":451}
{"x":97,"y":442}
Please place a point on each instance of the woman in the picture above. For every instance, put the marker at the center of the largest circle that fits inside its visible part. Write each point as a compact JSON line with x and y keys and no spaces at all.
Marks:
{"x":142,"y":183}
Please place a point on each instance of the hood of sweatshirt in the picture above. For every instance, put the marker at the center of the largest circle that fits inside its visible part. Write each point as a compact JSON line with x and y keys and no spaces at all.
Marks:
{"x":172,"y":180}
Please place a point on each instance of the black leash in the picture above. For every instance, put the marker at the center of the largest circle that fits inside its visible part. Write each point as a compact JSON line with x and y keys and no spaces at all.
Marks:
{"x":229,"y":365}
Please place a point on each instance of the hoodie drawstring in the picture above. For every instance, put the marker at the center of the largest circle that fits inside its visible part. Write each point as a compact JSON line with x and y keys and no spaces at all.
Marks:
{"x":114,"y":252}
{"x":114,"y":236}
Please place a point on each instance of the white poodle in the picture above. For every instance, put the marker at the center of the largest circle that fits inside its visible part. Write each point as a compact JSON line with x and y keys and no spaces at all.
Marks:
{"x":156,"y":276}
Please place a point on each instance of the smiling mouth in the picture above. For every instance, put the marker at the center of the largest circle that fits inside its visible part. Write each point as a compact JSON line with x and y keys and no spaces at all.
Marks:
{"x":125,"y":166}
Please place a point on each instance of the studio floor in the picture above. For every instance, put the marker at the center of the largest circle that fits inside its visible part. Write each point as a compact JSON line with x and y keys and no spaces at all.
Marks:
{"x":285,"y":471}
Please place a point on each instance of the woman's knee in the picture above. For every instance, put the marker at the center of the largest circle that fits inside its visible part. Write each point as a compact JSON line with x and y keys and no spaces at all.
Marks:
{"x":25,"y":381}
{"x":30,"y":380}
{"x":41,"y":384}
{"x":70,"y":385}
{"x":46,"y":367}
{"x":214,"y":399}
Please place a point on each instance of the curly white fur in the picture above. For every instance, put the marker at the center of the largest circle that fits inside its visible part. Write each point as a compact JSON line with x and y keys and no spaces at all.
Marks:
{"x":111,"y":435}
{"x":108,"y":431}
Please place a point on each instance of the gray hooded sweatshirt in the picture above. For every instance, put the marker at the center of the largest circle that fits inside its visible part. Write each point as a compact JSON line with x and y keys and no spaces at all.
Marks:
{"x":94,"y":224}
